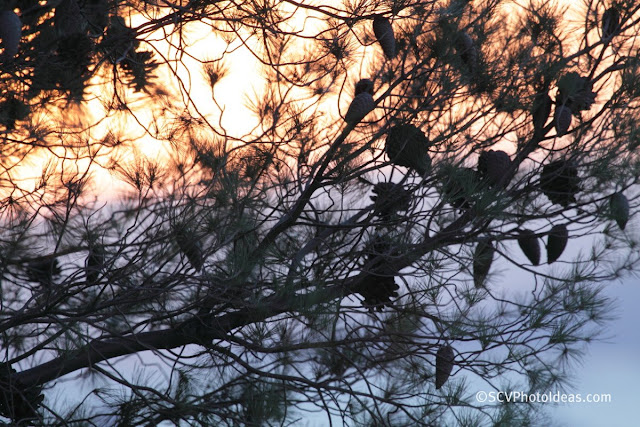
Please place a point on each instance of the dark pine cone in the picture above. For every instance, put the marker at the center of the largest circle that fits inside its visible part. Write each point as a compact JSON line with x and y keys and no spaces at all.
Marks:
{"x":43,"y":271}
{"x":459,"y":187}
{"x":560,"y":182}
{"x":492,"y":165}
{"x":408,"y":146}
{"x":557,"y":239}
{"x":444,"y":364}
{"x":378,"y":291}
{"x":541,"y":111}
{"x":575,"y":92}
{"x":610,"y":22}
{"x":379,"y":287}
{"x":364,"y":85}
{"x":390,"y":198}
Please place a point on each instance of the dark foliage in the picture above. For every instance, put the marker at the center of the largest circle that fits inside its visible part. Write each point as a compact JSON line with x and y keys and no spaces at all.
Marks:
{"x":18,"y":402}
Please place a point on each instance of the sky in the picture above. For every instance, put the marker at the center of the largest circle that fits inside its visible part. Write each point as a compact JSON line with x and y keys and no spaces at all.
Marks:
{"x":610,"y":367}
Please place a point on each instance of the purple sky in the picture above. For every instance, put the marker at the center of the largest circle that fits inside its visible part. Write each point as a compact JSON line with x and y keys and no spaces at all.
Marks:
{"x":610,"y":367}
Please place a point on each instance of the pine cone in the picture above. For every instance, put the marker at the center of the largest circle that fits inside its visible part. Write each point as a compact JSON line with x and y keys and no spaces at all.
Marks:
{"x":467,"y":51}
{"x":68,"y":19}
{"x":460,"y":186}
{"x":575,"y":92}
{"x":94,"y":264}
{"x":379,"y":286}
{"x":530,"y":246}
{"x":361,"y":105}
{"x":390,"y":198}
{"x":384,"y":34}
{"x":408,"y":146}
{"x":11,"y":110}
{"x":10,"y":33}
{"x":364,"y":85}
{"x":560,"y":182}
{"x":444,"y":364}
{"x":493,"y":165}
{"x":379,"y":248}
{"x":191,"y":247}
{"x":619,"y":208}
{"x":43,"y":271}
{"x":482,"y":260}
{"x":557,"y":239}
{"x":610,"y":22}
{"x":540,"y":112}
{"x":562,"y":119}
{"x":378,"y":291}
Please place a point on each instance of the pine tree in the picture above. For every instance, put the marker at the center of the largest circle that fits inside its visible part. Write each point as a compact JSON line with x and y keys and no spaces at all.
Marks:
{"x":261,"y":263}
